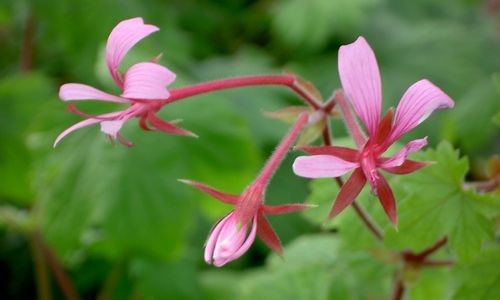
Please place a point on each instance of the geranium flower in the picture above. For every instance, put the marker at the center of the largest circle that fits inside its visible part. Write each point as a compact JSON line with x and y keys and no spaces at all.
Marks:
{"x":233,"y":235}
{"x":142,"y":85}
{"x":361,"y":84}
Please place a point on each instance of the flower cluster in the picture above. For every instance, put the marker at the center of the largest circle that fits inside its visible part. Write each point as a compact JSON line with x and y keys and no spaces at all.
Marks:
{"x":144,"y":89}
{"x":143,"y":85}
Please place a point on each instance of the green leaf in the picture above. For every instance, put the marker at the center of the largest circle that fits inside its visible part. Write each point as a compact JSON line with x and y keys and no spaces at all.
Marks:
{"x":293,"y":24}
{"x":314,"y":268}
{"x":432,"y":283}
{"x":496,"y":119}
{"x":159,"y":280}
{"x":437,"y":205}
{"x":116,"y":200}
{"x":23,"y":98}
{"x":479,"y":279}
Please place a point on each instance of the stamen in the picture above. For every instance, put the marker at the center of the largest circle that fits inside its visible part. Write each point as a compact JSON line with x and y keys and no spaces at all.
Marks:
{"x":72,"y":108}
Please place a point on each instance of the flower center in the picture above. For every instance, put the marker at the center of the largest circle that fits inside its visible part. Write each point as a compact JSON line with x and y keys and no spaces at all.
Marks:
{"x":368,"y":164}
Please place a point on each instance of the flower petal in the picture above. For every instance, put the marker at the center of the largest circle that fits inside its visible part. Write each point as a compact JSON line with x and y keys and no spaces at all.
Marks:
{"x":248,"y":242}
{"x":348,"y":193}
{"x":212,"y":239}
{"x":340,"y":152}
{"x":147,"y":81}
{"x":417,"y":103}
{"x":319,"y":166}
{"x":78,"y":91}
{"x":112,"y":128}
{"x":399,"y":158}
{"x":76,"y":126}
{"x":121,"y":39}
{"x":360,"y":79}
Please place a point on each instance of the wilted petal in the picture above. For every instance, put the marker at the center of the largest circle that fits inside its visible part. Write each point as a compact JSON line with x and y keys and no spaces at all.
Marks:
{"x":360,"y":79}
{"x":77,"y":91}
{"x":400,"y":157}
{"x":319,"y":166}
{"x":147,"y":81}
{"x":417,"y":103}
{"x":123,"y":37}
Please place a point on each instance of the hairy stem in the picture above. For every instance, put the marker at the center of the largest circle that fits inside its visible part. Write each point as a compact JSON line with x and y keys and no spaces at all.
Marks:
{"x":237,"y":82}
{"x":280,"y":152}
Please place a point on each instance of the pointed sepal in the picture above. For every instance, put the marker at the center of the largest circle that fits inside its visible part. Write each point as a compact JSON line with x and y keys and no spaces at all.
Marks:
{"x":348,"y":193}
{"x":285,"y":208}
{"x":167,"y":127}
{"x":266,"y":233}
{"x":386,"y":197}
{"x":221,"y":196}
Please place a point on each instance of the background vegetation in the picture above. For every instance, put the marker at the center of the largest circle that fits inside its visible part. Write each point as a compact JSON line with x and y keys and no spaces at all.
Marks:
{"x":123,"y":227}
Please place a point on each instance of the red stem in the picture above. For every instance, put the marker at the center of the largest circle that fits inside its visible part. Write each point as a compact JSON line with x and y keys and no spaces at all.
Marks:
{"x":237,"y":82}
{"x":280,"y":152}
{"x":398,"y":289}
{"x":422,"y":255}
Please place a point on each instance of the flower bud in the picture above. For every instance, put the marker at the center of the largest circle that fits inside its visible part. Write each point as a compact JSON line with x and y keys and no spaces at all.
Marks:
{"x":228,"y":240}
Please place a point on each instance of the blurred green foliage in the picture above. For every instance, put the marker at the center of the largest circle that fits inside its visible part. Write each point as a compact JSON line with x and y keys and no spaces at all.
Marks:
{"x":125,"y":228}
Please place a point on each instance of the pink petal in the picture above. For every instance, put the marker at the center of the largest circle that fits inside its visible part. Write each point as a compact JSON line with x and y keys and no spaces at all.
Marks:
{"x":212,"y":238}
{"x":417,"y":103}
{"x":112,"y":128}
{"x":121,"y":39}
{"x":147,"y":81}
{"x":77,"y":91}
{"x":76,"y":126}
{"x":400,"y":157}
{"x":360,"y":79}
{"x":319,"y":166}
{"x":246,"y":245}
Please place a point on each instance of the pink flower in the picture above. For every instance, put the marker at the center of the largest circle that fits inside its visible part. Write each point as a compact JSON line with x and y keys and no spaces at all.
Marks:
{"x":360,"y":79}
{"x":233,"y":235}
{"x":142,"y":85}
